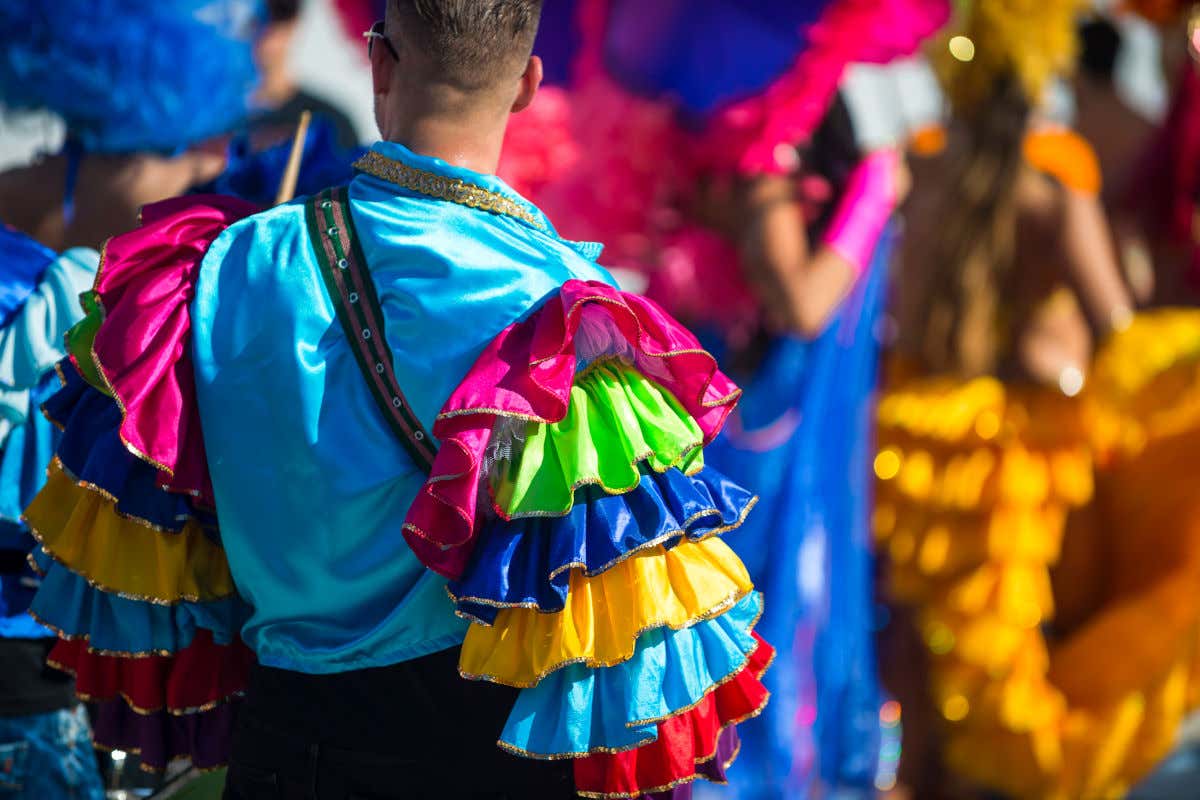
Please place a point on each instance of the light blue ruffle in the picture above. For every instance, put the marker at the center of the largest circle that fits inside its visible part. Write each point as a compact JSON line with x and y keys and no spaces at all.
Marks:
{"x":71,"y":605}
{"x":577,"y":709}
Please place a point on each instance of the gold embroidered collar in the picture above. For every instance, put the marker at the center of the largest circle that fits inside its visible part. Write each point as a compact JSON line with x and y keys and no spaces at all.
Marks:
{"x":441,"y":187}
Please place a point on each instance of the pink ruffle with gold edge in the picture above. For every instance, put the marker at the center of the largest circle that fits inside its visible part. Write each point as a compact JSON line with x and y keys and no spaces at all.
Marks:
{"x":745,"y":136}
{"x":527,"y":372}
{"x":145,"y":284}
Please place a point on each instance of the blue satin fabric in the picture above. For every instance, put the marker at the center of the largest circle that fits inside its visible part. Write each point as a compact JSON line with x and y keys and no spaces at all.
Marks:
{"x":805,"y":444}
{"x":311,"y":483}
{"x":703,"y":54}
{"x":91,"y":450}
{"x":38,"y":303}
{"x":27,"y":451}
{"x":577,"y":708}
{"x":70,"y":604}
{"x":524,"y":561}
{"x":31,"y":339}
{"x":24,"y":262}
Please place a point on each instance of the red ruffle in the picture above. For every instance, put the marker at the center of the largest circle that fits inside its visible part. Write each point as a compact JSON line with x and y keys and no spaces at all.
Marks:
{"x":684,"y":742}
{"x":198,"y":677}
{"x":145,"y":285}
{"x":527,"y":372}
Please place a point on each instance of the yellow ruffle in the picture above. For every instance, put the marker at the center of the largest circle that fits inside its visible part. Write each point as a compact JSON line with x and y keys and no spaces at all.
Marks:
{"x":81,"y":529}
{"x":1145,"y":382}
{"x":972,"y":532}
{"x":605,"y":614}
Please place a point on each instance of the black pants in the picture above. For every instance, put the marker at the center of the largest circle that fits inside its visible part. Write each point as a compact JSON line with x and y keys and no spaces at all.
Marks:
{"x":413,"y":731}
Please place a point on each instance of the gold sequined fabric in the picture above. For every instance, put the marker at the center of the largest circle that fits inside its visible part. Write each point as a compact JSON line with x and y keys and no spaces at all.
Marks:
{"x":441,"y":187}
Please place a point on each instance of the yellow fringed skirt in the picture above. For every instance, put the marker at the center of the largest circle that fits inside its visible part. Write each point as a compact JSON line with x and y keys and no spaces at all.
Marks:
{"x":978,"y":484}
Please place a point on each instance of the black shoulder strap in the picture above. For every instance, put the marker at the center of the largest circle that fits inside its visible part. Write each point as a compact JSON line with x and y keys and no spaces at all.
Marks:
{"x":353,"y":294}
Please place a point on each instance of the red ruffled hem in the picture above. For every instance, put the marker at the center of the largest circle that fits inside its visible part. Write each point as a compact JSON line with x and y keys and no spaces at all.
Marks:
{"x":685,"y":742}
{"x":199,"y":677}
{"x":527,"y":372}
{"x":145,"y":287}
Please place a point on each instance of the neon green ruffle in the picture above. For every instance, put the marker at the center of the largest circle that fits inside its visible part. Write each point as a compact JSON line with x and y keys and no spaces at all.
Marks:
{"x":617,"y":419}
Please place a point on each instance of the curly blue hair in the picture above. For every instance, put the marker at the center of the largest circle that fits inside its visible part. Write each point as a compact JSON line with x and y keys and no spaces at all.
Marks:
{"x":131,"y":75}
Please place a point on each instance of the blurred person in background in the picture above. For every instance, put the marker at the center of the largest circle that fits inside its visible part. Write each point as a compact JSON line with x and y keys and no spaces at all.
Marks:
{"x":142,"y":92}
{"x":145,"y":105}
{"x":1052,"y":588}
{"x":706,"y":146}
{"x":1119,"y":135}
{"x":45,"y":738}
{"x":279,"y":99}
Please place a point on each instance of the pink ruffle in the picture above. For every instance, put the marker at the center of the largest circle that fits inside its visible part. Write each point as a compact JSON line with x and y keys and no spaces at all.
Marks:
{"x":746,"y":137}
{"x":527,"y":372}
{"x":145,"y":285}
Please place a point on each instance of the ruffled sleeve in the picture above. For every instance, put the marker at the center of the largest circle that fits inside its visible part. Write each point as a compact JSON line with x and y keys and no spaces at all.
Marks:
{"x":134,"y":578}
{"x":571,"y":506}
{"x":38,"y":302}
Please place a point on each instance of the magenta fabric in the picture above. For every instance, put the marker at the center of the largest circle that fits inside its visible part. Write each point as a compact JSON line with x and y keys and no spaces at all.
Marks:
{"x":527,"y":372}
{"x":746,"y":136}
{"x":864,"y":209}
{"x":145,"y":285}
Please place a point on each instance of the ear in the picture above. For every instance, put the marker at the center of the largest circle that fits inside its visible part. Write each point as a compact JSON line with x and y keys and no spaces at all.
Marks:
{"x":382,"y":69}
{"x":531,"y":79}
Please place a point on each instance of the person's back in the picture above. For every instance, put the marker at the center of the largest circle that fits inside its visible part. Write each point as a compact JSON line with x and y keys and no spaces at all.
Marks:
{"x":390,"y":390}
{"x":1055,"y":237}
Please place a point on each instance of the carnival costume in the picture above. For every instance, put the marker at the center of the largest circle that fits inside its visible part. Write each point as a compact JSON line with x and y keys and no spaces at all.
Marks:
{"x":658,"y":103}
{"x":45,"y":749}
{"x":163,"y":76}
{"x":977,"y":482}
{"x":233,"y":408}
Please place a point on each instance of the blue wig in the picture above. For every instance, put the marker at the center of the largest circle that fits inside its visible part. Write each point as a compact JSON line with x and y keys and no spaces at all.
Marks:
{"x":131,"y":75}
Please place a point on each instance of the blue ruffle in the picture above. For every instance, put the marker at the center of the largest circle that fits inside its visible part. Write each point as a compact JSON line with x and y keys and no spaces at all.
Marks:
{"x":528,"y":561}
{"x":72,"y":606}
{"x":16,"y":593}
{"x":24,"y":262}
{"x":27,"y":451}
{"x":92,"y":452}
{"x":576,"y":709}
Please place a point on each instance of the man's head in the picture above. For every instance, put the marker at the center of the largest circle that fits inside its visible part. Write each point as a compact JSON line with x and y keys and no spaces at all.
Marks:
{"x":455,"y":58}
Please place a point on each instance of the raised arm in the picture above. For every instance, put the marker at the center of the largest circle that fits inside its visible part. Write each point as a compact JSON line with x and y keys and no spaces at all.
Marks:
{"x":1090,"y":262}
{"x":800,"y":286}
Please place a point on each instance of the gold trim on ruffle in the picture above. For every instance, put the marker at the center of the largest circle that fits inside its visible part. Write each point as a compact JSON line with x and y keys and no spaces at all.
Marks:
{"x":644,"y":457}
{"x":746,"y":657}
{"x":594,"y":663}
{"x":582,"y":566}
{"x":76,"y":637}
{"x":695,"y":776}
{"x":145,"y":712}
{"x":112,"y":498}
{"x":440,"y":187}
{"x":605,"y":615}
{"x":191,"y":532}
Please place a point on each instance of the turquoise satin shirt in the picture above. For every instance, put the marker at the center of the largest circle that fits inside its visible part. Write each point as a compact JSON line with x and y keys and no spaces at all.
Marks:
{"x":311,"y":485}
